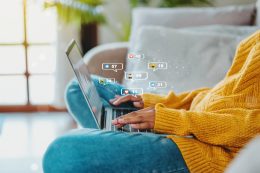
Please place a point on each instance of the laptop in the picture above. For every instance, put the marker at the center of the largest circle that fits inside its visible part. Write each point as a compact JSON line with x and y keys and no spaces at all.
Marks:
{"x":102,"y":114}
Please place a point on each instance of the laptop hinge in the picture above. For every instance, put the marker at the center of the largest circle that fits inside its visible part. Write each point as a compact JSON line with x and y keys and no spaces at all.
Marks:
{"x":103,"y":118}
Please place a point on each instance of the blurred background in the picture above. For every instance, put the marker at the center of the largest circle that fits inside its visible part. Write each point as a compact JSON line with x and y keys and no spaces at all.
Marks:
{"x":34,"y":70}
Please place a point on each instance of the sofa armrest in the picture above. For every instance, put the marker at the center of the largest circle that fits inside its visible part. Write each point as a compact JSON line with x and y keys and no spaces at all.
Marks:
{"x":107,"y":53}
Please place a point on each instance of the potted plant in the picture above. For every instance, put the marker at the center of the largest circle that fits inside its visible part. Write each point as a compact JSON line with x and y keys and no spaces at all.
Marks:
{"x":86,"y":13}
{"x":126,"y":25}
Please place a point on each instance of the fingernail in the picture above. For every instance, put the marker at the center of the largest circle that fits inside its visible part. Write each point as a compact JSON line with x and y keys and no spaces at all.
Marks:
{"x":120,"y":120}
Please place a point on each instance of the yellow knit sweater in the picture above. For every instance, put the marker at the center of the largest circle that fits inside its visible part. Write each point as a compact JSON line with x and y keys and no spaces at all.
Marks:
{"x":221,"y":120}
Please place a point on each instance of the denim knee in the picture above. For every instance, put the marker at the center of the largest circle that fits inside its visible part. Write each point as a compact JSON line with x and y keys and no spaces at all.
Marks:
{"x":62,"y":157}
{"x":53,"y":160}
{"x":77,"y":106}
{"x":68,"y":154}
{"x":71,"y":94}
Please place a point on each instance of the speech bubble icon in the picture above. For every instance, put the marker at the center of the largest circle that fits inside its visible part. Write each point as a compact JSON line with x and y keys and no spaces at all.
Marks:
{"x":112,"y":66}
{"x":131,"y":56}
{"x":131,"y":91}
{"x":157,"y":66}
{"x":152,"y":66}
{"x":102,"y":81}
{"x":136,"y":75}
{"x":110,"y":80}
{"x":105,"y":81}
{"x":134,"y":56}
{"x":157,"y":84}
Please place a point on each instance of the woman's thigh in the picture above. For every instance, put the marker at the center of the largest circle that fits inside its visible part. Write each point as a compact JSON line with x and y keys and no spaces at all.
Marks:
{"x":97,"y":151}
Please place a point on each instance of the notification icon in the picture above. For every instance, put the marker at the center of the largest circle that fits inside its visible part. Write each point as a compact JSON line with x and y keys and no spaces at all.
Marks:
{"x":136,"y":75}
{"x":132,"y":91}
{"x":105,"y":81}
{"x":112,"y":66}
{"x":157,"y":66}
{"x":106,"y":66}
{"x":157,"y":84}
{"x":134,"y":56}
{"x":131,"y":56}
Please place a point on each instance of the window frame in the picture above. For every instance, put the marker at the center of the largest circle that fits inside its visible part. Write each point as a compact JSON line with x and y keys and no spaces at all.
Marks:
{"x":28,"y":107}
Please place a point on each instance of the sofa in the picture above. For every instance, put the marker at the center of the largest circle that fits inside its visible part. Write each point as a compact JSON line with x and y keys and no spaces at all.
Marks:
{"x":201,"y":24}
{"x":117,"y":52}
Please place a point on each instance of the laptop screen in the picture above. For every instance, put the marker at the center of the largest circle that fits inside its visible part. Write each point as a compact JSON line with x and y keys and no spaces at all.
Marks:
{"x":86,"y":84}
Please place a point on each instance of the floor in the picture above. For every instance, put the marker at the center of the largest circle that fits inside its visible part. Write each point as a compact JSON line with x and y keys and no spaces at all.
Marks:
{"x":24,"y":137}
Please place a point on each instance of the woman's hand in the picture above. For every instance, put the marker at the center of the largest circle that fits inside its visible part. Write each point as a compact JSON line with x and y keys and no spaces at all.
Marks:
{"x":137,"y":100}
{"x":142,"y":119}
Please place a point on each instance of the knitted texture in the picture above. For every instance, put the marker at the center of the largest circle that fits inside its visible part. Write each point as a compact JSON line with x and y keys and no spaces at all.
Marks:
{"x":220,"y":120}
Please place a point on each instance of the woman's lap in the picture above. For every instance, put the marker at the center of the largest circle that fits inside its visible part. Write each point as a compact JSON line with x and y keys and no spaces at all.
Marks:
{"x":91,"y":150}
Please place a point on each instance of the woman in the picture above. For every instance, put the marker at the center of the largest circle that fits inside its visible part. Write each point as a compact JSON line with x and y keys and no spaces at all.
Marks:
{"x":220,"y":120}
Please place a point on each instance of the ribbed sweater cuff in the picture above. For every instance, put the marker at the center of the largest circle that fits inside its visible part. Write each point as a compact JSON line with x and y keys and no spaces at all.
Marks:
{"x":170,"y":121}
{"x":151,"y":99}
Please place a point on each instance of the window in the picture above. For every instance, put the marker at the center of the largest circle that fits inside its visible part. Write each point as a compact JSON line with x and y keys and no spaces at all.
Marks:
{"x":27,"y":53}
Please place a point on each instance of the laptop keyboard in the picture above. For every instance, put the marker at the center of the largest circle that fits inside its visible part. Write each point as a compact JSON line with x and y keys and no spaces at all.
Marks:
{"x":119,"y":112}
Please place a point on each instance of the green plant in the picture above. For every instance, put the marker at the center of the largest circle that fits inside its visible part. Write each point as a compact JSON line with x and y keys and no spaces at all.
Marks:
{"x":163,"y":3}
{"x":78,"y":11}
{"x":171,"y":3}
{"x":176,"y":3}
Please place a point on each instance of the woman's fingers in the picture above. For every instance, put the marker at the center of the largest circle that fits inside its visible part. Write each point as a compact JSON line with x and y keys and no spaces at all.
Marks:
{"x":119,"y":100}
{"x":138,"y":104}
{"x":114,"y":99}
{"x":125,"y":119}
{"x":130,"y":120}
{"x":142,"y":126}
{"x":142,"y":119}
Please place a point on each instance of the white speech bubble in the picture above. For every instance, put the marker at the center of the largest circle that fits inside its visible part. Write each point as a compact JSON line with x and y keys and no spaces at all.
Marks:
{"x":132,"y":91}
{"x":136,"y":75}
{"x":105,"y":81}
{"x":133,"y":56}
{"x":157,"y":66}
{"x":112,"y":66}
{"x":157,"y":84}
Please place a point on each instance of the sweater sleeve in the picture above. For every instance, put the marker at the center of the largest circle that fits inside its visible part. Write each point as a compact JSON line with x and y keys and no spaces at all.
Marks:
{"x":182,"y":101}
{"x":230,"y":127}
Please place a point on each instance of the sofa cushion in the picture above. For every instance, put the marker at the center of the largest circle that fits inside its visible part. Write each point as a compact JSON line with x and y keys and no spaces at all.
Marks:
{"x":195,"y":57}
{"x":185,"y":17}
{"x":247,"y":160}
{"x":258,"y":13}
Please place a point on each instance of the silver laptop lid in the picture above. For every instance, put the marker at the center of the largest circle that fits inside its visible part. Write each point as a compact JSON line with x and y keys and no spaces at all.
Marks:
{"x":86,"y":84}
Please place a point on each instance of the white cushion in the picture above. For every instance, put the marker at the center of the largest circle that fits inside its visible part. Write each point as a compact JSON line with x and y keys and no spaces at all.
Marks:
{"x":195,"y":58}
{"x":248,"y":160}
{"x":258,"y":13}
{"x":185,"y":17}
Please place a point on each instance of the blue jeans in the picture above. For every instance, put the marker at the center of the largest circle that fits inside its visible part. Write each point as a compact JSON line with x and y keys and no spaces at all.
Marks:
{"x":98,"y":151}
